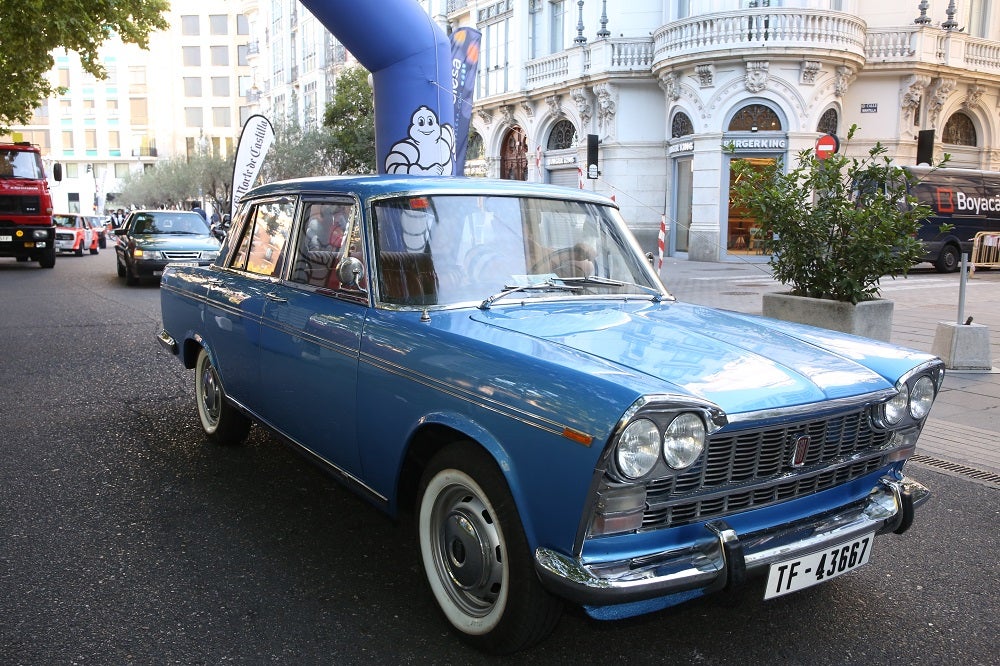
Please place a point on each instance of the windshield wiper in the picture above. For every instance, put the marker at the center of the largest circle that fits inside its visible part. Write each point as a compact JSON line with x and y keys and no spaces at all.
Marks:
{"x":608,"y":282}
{"x":548,"y":285}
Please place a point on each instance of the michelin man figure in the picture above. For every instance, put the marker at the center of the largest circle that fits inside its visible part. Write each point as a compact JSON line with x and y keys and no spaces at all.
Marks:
{"x":428,"y":150}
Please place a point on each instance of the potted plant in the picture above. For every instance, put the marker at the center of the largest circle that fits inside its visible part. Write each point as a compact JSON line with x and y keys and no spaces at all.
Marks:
{"x":833,"y":228}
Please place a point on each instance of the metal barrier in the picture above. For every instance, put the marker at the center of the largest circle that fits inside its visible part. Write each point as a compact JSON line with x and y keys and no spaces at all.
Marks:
{"x":985,"y":251}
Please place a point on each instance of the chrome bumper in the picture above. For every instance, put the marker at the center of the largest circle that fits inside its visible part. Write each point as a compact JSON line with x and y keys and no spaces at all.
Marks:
{"x":167,"y":342}
{"x":723,"y":558}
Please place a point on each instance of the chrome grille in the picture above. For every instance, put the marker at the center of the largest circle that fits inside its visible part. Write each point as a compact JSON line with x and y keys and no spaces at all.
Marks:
{"x":65,"y":235}
{"x":178,"y":255}
{"x":752,"y":468}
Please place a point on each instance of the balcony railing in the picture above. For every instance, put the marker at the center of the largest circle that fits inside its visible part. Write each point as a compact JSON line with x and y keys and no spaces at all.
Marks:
{"x":144,"y":152}
{"x":929,"y":45}
{"x":795,"y":31}
{"x":618,"y":55}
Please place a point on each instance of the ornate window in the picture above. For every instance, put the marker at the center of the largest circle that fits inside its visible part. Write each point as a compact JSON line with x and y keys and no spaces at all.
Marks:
{"x":753,"y":118}
{"x":959,"y":131}
{"x":681,"y":125}
{"x":828,"y":122}
{"x":563,"y":135}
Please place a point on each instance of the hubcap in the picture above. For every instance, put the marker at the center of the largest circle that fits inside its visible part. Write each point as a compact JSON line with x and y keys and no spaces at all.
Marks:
{"x":469,"y":551}
{"x":210,"y":395}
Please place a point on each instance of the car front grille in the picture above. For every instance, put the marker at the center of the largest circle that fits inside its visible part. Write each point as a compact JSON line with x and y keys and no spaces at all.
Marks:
{"x":65,"y":235}
{"x":749,"y":469}
{"x":178,"y":255}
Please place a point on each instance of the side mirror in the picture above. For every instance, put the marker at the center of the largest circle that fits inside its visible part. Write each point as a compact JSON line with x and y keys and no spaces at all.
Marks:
{"x":350,"y":272}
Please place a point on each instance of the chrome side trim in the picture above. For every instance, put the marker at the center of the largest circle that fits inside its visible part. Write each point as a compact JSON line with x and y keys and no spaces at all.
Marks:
{"x":703,"y":564}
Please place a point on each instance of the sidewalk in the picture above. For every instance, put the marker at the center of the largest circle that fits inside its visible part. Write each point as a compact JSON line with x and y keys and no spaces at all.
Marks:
{"x":962,"y":434}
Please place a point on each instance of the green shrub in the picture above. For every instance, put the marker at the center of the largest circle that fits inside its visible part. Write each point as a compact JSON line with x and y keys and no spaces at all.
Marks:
{"x":834,"y":226}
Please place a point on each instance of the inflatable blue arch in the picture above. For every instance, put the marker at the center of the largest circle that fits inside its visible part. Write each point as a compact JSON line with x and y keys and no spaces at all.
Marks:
{"x":410,"y":59}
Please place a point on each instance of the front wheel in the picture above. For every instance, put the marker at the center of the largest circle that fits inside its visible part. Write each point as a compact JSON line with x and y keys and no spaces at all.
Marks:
{"x":475,"y":554}
{"x":220,"y":420}
{"x":948,"y":260}
{"x":48,"y":258}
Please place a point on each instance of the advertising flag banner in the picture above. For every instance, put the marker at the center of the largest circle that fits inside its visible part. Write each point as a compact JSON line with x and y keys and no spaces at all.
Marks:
{"x":255,"y":140}
{"x":464,"y":65}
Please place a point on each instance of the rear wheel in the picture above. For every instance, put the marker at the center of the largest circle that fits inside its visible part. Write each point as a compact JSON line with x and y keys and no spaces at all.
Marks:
{"x":220,"y":420}
{"x":475,"y":554}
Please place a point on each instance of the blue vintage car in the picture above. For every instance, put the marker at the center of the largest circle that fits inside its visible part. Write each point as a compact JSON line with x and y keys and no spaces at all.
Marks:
{"x":500,"y":361}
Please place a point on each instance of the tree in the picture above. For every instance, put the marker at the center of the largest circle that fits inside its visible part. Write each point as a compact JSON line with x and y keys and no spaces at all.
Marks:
{"x":31,"y":29}
{"x":174,"y":182}
{"x":350,"y":118}
{"x":297,"y":152}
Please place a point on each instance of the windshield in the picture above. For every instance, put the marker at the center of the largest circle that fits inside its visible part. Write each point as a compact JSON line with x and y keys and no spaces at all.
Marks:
{"x":437,"y":250}
{"x":169,"y":223}
{"x":20,"y":164}
{"x":68,"y":221}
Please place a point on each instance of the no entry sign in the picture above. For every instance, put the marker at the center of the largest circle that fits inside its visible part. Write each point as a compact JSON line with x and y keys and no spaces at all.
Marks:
{"x":827,"y":145}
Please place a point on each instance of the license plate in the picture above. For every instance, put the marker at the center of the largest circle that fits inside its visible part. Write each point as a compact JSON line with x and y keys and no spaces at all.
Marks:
{"x":802,"y":572}
{"x":6,"y":239}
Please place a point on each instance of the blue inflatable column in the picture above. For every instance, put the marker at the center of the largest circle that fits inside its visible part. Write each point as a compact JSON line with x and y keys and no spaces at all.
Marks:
{"x":409,"y":57}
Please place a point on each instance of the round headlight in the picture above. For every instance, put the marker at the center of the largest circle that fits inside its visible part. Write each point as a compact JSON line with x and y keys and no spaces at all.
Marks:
{"x":895,"y":408}
{"x":684,"y":441}
{"x":638,"y":448}
{"x":921,"y":398}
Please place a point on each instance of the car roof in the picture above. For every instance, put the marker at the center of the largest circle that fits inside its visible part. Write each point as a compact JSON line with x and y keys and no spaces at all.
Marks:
{"x":370,"y":186}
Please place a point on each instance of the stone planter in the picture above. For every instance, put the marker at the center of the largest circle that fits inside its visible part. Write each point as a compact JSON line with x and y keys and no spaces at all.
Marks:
{"x":870,"y":319}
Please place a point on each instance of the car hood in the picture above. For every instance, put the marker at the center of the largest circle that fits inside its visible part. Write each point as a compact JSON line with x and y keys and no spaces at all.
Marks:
{"x":740,"y":362}
{"x":176,"y":242}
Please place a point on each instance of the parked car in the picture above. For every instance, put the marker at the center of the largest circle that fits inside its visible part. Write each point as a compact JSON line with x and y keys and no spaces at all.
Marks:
{"x":101,"y":225}
{"x":75,"y":234}
{"x":501,"y":362}
{"x":149,"y":240}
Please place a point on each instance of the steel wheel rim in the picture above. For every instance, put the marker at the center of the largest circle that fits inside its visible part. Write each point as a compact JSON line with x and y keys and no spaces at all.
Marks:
{"x":211,"y":396}
{"x":467,"y":546}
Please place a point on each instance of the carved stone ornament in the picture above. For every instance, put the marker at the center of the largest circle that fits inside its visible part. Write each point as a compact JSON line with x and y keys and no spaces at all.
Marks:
{"x":668,"y":82}
{"x":938,"y":98}
{"x":507,"y":113}
{"x":486,"y":116}
{"x":809,"y":70}
{"x":555,"y":105}
{"x":912,"y":94}
{"x":844,"y":76}
{"x":528,"y":107}
{"x":706,"y":75}
{"x":607,"y":106}
{"x":756,"y":76}
{"x":974,"y":96}
{"x":583,"y":106}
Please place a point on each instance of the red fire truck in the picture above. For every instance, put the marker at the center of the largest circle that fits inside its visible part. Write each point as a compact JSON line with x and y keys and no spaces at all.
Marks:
{"x":26,"y":228}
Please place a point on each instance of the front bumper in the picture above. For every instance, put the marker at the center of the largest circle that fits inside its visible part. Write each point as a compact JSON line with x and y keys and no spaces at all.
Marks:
{"x":155,"y":267}
{"x":723,"y":558}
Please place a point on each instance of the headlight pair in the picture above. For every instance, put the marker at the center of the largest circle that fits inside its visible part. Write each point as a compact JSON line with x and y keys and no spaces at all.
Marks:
{"x":916,"y":401}
{"x":642,"y":445}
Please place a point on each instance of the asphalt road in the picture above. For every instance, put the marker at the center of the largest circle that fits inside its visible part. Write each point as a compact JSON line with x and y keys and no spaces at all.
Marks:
{"x":125,"y":538}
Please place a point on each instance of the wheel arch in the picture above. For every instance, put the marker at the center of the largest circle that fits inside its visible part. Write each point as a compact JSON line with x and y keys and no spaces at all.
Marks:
{"x":439,"y":430}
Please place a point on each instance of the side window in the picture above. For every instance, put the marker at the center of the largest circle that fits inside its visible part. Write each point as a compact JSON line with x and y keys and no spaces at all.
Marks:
{"x":327,"y":234}
{"x":261,"y":249}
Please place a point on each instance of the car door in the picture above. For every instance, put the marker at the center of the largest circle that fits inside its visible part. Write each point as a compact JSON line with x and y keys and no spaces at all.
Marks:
{"x":311,"y":336}
{"x":235,"y":293}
